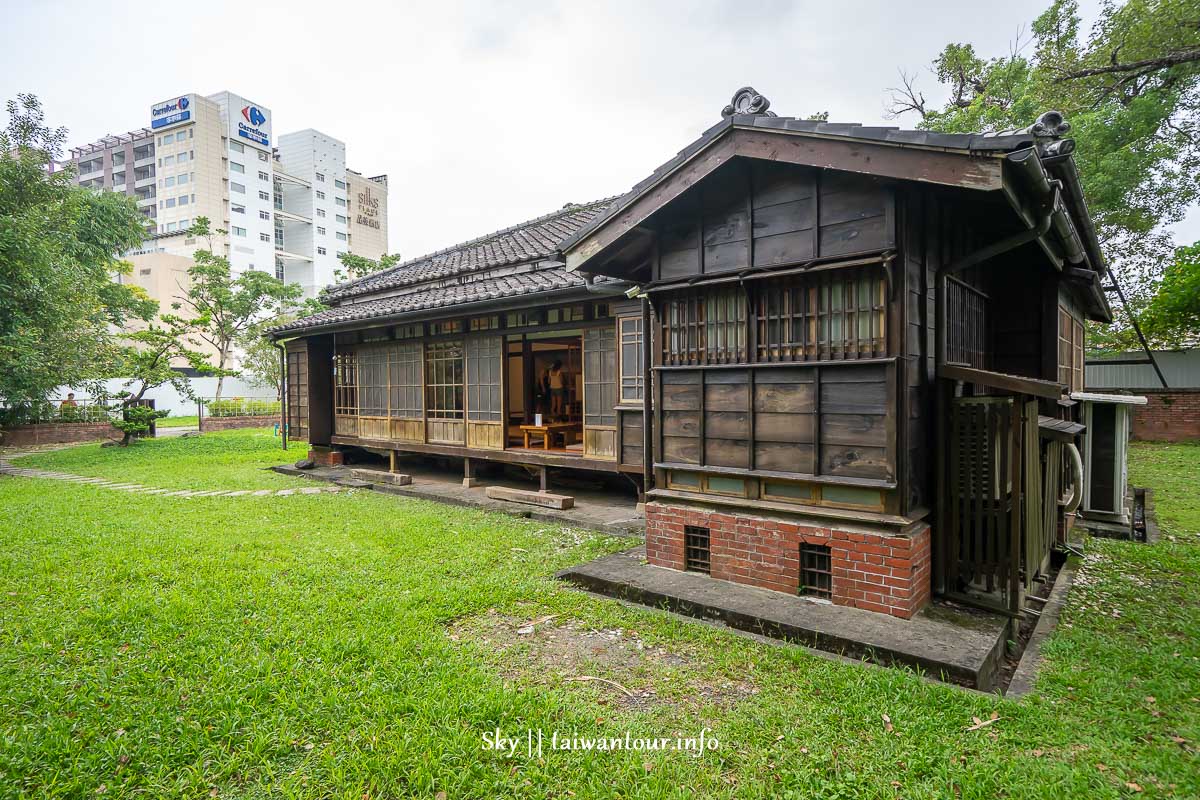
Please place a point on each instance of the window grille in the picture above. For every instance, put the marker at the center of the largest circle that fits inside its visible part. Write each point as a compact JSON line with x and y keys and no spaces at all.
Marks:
{"x":696,"y":549}
{"x":444,"y":380}
{"x":1070,"y":350}
{"x":404,"y":380}
{"x":829,"y":315}
{"x":373,"y":382}
{"x":706,"y":327}
{"x":966,"y":324}
{"x":345,"y":383}
{"x":630,"y":330}
{"x":816,"y":572}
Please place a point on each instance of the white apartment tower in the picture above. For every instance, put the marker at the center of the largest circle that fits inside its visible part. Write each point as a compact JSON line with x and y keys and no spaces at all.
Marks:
{"x":311,"y":208}
{"x":283,"y":204}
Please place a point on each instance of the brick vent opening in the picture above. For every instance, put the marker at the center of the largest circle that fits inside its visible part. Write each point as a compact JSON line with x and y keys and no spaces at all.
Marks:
{"x":816,"y":570}
{"x":696,"y":549}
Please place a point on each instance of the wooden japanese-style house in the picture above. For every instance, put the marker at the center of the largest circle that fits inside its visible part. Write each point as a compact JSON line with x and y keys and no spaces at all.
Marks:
{"x":861,"y":343}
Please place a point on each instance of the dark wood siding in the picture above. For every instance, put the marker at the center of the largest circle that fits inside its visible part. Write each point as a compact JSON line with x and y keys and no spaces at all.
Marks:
{"x":765,"y":214}
{"x":632,"y":453}
{"x":830,"y":420}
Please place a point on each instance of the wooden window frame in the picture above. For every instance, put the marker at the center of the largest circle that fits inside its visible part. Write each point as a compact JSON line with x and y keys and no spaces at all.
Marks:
{"x":372,"y":369}
{"x":345,"y":383}
{"x":405,"y":385}
{"x":829,"y":315}
{"x":445,"y":397}
{"x":631,"y":381}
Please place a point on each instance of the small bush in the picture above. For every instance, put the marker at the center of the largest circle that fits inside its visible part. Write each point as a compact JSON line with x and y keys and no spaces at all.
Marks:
{"x":241,"y":407}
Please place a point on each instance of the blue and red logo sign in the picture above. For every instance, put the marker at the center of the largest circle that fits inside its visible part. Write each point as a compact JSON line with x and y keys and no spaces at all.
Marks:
{"x":254,"y":116}
{"x":170,"y":112}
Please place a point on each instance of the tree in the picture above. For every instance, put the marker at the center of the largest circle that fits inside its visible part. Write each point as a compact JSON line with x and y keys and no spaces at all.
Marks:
{"x":360,"y":266}
{"x":260,"y":359}
{"x":150,"y":358}
{"x":1173,"y":314}
{"x":1130,"y":89}
{"x":225,"y":308}
{"x":60,"y":247}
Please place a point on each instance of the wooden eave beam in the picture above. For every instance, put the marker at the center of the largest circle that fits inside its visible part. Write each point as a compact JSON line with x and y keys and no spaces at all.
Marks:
{"x":899,"y":162}
{"x":1017,"y":384}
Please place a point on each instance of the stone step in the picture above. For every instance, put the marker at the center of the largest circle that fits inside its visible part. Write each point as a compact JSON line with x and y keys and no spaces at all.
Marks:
{"x":560,"y":502}
{"x":378,"y":476}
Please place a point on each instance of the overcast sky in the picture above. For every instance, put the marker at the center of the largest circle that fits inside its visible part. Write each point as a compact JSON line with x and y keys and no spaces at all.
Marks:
{"x":486,"y":114}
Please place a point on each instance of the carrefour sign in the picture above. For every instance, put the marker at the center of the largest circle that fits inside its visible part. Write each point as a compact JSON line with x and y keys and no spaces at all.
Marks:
{"x":254,"y":124}
{"x":171,"y":112}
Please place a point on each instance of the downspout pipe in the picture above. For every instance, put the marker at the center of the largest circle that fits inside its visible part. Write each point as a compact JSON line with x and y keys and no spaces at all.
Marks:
{"x":1029,"y":165}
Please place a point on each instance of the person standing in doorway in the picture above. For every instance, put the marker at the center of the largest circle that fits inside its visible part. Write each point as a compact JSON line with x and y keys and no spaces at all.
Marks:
{"x":558,"y":390}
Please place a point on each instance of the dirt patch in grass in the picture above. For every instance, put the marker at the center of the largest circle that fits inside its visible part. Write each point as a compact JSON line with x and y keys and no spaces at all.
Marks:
{"x":617,"y":664}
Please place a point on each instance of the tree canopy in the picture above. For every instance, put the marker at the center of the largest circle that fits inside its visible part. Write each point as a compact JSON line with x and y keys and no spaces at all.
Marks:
{"x":60,"y":250}
{"x":1130,"y":87}
{"x":225,"y":307}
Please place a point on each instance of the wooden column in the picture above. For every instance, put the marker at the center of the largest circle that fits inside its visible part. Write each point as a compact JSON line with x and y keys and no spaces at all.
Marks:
{"x":470,"y":474}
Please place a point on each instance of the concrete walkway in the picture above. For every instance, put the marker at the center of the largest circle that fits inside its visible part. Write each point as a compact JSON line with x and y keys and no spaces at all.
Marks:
{"x":596,"y":508}
{"x":137,"y":488}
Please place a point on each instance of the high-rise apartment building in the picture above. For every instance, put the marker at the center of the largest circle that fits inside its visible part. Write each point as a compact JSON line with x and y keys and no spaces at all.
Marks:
{"x":284,"y":203}
{"x":368,"y":214}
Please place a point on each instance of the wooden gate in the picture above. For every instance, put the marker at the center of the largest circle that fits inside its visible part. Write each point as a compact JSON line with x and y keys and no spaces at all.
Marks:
{"x":999,"y":526}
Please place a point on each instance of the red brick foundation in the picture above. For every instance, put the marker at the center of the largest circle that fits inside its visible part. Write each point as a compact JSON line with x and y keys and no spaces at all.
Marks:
{"x":326,"y":456}
{"x":1170,"y":415}
{"x":57,"y":433}
{"x":874,"y":571}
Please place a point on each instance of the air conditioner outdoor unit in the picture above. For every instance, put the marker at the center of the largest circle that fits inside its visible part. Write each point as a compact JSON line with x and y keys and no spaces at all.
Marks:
{"x":1109,"y":420}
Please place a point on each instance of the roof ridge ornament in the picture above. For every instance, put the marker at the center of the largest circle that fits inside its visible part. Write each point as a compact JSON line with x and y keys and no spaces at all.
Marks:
{"x":747,"y":101}
{"x":1050,"y":124}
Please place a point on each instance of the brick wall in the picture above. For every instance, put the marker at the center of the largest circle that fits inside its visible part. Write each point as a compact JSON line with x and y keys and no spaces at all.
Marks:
{"x":57,"y":433}
{"x":326,"y":456}
{"x":874,"y":571}
{"x":229,"y":423}
{"x":1170,"y":415}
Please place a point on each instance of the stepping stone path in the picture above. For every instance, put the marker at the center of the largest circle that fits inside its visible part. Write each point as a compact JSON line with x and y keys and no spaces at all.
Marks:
{"x":136,"y":488}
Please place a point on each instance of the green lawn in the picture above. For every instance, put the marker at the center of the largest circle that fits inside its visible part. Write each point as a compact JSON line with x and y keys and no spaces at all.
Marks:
{"x":361,"y":645}
{"x":179,"y":422}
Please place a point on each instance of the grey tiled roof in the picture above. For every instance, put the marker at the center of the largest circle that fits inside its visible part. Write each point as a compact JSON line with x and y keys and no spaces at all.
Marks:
{"x":529,"y":241}
{"x":469,"y":291}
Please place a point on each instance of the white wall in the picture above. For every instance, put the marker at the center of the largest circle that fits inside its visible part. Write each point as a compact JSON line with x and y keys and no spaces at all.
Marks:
{"x":167,"y":399}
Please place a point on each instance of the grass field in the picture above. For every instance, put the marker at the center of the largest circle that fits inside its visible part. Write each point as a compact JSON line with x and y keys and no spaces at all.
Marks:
{"x":361,"y":646}
{"x":179,"y":422}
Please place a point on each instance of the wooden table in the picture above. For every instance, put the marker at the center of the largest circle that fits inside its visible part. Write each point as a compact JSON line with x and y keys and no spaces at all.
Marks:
{"x":549,"y":430}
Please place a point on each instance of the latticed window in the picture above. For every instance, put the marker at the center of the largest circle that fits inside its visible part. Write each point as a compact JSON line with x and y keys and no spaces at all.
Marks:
{"x":630,"y":344}
{"x":823,"y":316}
{"x":966,"y":324}
{"x":1070,"y":350}
{"x":826,"y":315}
{"x":706,"y":327}
{"x":444,"y":380}
{"x":345,"y":383}
{"x":297,"y":391}
{"x":372,"y":382}
{"x":404,"y":380}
